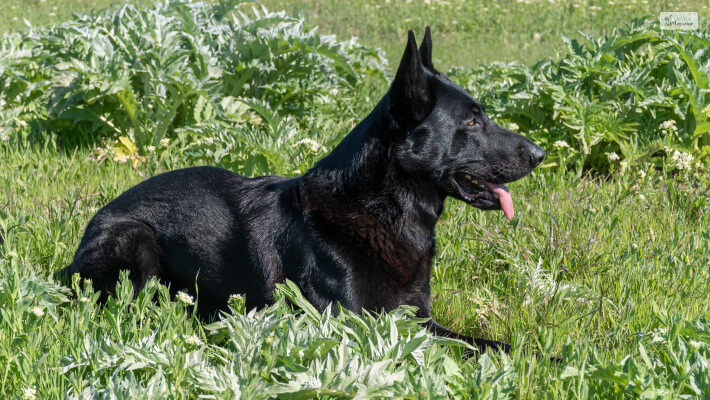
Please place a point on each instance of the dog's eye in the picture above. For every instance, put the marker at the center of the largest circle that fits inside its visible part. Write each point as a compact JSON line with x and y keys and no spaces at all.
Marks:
{"x":472,"y":122}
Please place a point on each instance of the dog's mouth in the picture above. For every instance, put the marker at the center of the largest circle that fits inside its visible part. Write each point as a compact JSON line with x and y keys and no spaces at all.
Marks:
{"x":484,"y":195}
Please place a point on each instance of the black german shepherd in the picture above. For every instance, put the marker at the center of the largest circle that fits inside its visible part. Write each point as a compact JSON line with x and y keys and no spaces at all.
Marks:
{"x":358,"y":228}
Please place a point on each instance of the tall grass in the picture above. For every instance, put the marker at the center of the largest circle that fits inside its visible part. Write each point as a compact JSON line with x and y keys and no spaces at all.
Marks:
{"x":471,"y":33}
{"x":609,"y":275}
{"x":608,"y":272}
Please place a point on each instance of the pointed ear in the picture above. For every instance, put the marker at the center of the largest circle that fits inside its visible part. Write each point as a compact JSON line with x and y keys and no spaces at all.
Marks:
{"x":409,"y":72}
{"x":410,"y":94}
{"x":425,"y":50}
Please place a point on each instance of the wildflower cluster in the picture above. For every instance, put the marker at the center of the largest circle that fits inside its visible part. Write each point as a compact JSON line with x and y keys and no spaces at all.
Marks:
{"x":185,"y":298}
{"x":30,"y":393}
{"x":193,"y":340}
{"x":680,"y":159}
{"x":669,"y":128}
{"x":311,"y":145}
{"x":561,"y":144}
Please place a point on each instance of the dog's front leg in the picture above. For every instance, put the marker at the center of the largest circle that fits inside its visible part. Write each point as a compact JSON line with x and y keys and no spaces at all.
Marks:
{"x":482,"y":344}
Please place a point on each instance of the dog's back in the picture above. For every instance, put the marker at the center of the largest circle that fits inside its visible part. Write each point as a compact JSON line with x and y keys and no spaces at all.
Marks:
{"x":195,"y":226}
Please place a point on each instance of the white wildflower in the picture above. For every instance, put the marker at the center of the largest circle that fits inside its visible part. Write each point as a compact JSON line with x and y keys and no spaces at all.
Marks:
{"x":669,"y":127}
{"x":514,"y":126}
{"x":185,"y":298}
{"x":682,"y":160}
{"x":84,"y":300}
{"x":334,"y":92}
{"x":193,"y":340}
{"x":151,"y":149}
{"x":310,"y":144}
{"x":38,"y":311}
{"x":642,"y":174}
{"x":612,"y":156}
{"x":100,"y":153}
{"x":164,"y":142}
{"x":209,"y":141}
{"x":560,"y":144}
{"x":541,"y":280}
{"x":4,"y":134}
{"x":235,"y":297}
{"x":30,"y":393}
{"x":296,"y":171}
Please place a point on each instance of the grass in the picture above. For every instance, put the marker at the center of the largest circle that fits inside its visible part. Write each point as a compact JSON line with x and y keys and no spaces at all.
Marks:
{"x":43,"y":12}
{"x":608,"y":271}
{"x":467,"y":33}
{"x":622,"y":249}
{"x":589,"y":262}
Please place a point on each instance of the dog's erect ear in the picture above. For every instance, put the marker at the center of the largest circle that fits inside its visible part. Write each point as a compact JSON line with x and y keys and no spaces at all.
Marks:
{"x":410,"y":94}
{"x":425,"y":50}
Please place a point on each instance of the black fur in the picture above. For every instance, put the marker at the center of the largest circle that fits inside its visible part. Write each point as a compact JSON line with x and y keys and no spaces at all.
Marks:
{"x":358,"y":228}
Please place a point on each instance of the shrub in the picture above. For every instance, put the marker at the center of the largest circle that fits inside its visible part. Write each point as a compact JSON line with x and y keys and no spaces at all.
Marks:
{"x":614,"y":101}
{"x":143,"y":73}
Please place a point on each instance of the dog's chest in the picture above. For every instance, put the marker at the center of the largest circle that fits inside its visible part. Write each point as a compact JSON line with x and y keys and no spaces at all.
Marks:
{"x":376,"y":247}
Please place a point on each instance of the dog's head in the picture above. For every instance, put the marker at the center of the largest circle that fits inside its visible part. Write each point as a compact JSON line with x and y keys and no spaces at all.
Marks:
{"x":445,"y":136}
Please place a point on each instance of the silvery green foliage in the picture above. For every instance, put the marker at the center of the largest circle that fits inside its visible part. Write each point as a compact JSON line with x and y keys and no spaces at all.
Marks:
{"x":152,"y":347}
{"x":144,"y":72}
{"x":609,"y":95}
{"x":269,"y":353}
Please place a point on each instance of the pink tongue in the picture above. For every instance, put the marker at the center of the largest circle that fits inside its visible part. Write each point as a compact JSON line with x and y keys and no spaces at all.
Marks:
{"x":506,"y":202}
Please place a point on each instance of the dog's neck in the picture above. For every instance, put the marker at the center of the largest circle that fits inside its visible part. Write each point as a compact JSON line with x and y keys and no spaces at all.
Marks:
{"x":361,"y":176}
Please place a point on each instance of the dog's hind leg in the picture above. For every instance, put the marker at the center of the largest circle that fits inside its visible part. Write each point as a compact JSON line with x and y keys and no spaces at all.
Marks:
{"x":125,"y":245}
{"x":481,"y":344}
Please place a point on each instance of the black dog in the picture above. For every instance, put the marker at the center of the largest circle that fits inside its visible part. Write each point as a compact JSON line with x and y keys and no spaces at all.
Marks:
{"x":358,"y":228}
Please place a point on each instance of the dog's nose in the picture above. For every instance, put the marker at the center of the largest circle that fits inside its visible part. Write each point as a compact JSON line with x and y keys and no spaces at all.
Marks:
{"x":537,"y":154}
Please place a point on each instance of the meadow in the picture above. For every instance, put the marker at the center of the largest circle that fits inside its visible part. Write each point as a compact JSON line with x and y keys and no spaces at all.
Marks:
{"x":605,"y":264}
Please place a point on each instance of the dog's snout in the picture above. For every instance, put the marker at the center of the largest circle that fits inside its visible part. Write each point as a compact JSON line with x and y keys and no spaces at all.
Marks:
{"x":537,"y":154}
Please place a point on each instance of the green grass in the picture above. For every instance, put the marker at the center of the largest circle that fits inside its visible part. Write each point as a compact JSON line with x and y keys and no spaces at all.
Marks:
{"x":469,"y":33}
{"x":589,"y":268}
{"x":610,"y":272}
{"x":43,"y":12}
{"x":625,"y":247}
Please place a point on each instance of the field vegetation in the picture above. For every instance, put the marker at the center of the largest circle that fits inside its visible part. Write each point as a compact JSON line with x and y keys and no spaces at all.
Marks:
{"x":605,"y":264}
